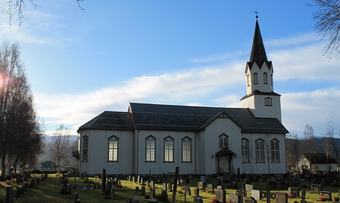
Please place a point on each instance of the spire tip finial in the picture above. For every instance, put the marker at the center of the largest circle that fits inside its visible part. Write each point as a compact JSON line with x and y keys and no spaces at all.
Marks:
{"x":256,"y":14}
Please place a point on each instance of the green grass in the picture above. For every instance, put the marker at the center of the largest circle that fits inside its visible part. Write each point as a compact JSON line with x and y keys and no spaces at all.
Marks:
{"x":49,"y":192}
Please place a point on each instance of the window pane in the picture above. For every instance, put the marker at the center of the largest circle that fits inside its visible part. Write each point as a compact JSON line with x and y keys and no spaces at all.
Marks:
{"x":150,"y":151}
{"x":186,"y":150}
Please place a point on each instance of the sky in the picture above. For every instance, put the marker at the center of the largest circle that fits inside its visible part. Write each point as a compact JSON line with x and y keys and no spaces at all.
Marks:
{"x":80,"y":63}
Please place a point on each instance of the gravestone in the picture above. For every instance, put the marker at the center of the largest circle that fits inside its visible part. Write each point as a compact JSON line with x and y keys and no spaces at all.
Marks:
{"x":248,"y":187}
{"x":219,"y":195}
{"x":198,"y":200}
{"x":200,"y":185}
{"x":233,"y":198}
{"x":132,"y":200}
{"x":164,"y":196}
{"x":250,"y":200}
{"x":187,"y":190}
{"x":142,"y":191}
{"x":315,"y":188}
{"x":326,"y":195}
{"x":256,"y":194}
{"x":210,"y":188}
{"x":293,"y":192}
{"x":303,"y":196}
{"x":281,"y":197}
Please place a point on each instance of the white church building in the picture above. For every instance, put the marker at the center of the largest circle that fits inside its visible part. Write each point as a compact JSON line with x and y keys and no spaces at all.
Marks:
{"x":155,"y":138}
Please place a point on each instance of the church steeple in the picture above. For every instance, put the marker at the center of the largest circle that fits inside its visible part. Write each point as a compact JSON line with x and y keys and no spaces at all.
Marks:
{"x":258,"y":52}
{"x":260,"y":97}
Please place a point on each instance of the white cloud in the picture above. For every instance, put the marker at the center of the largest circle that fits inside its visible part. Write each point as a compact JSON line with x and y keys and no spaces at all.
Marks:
{"x":315,"y":108}
{"x":305,"y":63}
{"x":293,"y":41}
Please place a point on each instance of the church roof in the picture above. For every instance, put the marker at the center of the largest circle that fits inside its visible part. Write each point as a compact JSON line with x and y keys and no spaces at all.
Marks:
{"x":258,"y":52}
{"x":109,"y":120}
{"x":181,"y":118}
{"x":257,"y":92}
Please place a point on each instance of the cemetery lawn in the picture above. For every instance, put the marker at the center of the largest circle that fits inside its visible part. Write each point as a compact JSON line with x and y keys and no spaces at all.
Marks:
{"x":49,"y":192}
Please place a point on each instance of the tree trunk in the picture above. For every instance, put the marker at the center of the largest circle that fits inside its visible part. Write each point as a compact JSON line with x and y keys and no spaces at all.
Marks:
{"x":3,"y":165}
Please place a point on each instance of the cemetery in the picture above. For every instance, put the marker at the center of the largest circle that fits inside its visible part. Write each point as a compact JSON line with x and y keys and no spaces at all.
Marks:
{"x":137,"y":188}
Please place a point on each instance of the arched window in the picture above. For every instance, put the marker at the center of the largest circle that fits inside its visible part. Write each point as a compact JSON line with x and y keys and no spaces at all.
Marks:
{"x":223,"y":141}
{"x":275,"y":151}
{"x":259,"y":150}
{"x":265,"y":78}
{"x":186,"y":150}
{"x":85,"y":148}
{"x":245,"y":150}
{"x":256,"y":79}
{"x":150,"y":149}
{"x":169,"y":149}
{"x":113,"y":148}
{"x":268,"y":101}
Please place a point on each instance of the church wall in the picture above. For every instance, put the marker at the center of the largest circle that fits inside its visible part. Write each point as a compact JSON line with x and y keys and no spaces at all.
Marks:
{"x":262,"y":168}
{"x":98,"y":152}
{"x":211,"y":137}
{"x":200,"y":152}
{"x":160,"y":167}
{"x":257,"y":106}
{"x":261,"y":110}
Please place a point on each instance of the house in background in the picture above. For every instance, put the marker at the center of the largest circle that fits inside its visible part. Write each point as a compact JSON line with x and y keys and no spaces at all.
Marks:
{"x":317,"y":162}
{"x":155,"y":138}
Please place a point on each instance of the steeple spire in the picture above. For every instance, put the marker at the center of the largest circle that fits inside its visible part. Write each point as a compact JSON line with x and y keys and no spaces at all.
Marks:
{"x":258,"y":53}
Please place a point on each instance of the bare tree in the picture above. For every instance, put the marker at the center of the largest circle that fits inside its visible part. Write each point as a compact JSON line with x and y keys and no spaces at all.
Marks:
{"x":19,"y":129}
{"x":309,"y":136}
{"x":15,"y":8}
{"x":292,"y":150}
{"x":328,"y":23}
{"x":331,"y":148}
{"x":61,"y":146}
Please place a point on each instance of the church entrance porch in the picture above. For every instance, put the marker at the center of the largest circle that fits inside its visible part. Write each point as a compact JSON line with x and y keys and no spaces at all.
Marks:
{"x":224,"y":159}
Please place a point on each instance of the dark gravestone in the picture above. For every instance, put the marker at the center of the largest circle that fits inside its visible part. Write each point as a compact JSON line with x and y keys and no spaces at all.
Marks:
{"x":198,"y":200}
{"x":250,"y":200}
{"x":164,"y":196}
{"x":132,"y":200}
{"x":104,"y":180}
{"x":303,"y":196}
{"x":9,"y":195}
{"x":76,"y":198}
{"x":142,"y":191}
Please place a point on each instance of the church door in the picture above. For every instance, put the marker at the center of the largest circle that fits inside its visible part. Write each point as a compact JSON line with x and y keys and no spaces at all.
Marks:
{"x":224,"y":164}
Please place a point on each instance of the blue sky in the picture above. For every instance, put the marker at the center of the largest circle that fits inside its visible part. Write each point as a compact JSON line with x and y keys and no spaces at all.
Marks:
{"x":82,"y":62}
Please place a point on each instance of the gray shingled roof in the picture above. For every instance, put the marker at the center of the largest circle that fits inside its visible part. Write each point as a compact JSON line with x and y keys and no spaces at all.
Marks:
{"x":192,"y":118}
{"x":109,"y":120}
{"x":180,"y":118}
